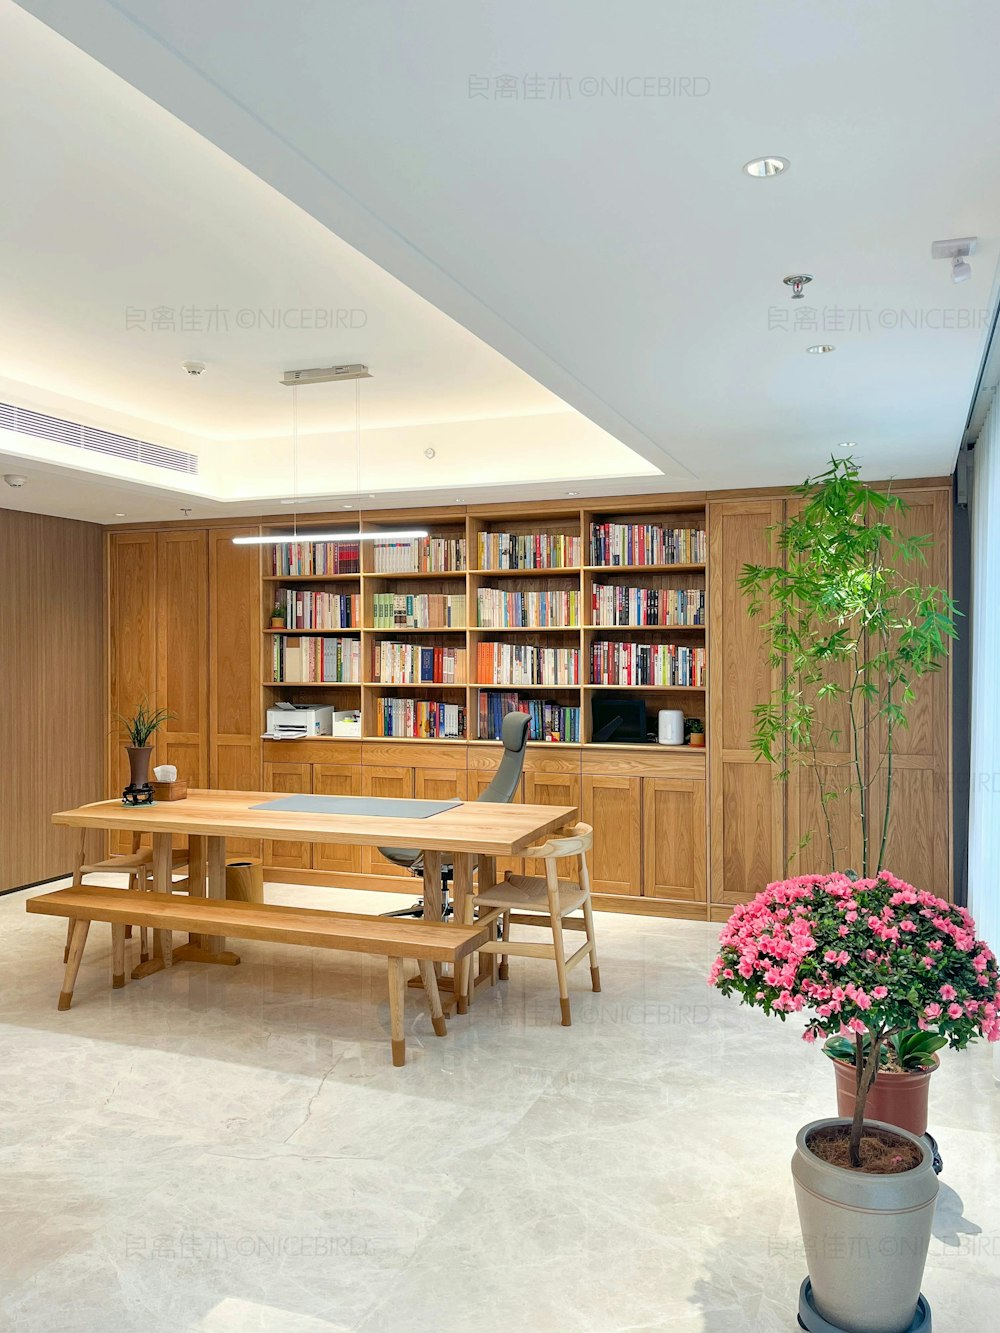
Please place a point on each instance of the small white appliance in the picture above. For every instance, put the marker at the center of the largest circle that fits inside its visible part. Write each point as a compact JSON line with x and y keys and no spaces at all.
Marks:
{"x":347,"y":722}
{"x":290,"y":721}
{"x":670,"y":726}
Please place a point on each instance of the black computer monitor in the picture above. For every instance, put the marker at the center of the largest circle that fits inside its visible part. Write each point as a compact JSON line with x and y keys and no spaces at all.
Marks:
{"x":619,"y":720}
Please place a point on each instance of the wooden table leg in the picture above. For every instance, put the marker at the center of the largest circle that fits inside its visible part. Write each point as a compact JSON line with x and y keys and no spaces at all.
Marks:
{"x":163,"y":866}
{"x":396,"y":992}
{"x":489,"y":963}
{"x":462,"y":900}
{"x":213,"y":947}
{"x":197,"y":872}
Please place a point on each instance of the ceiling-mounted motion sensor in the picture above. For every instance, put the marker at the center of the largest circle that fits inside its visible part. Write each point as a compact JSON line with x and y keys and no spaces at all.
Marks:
{"x":14,"y":479}
{"x":958,"y":251}
{"x":193,"y":367}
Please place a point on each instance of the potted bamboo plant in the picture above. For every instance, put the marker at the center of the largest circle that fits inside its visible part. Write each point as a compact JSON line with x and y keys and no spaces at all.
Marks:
{"x":853,"y":629}
{"x":140,"y":727}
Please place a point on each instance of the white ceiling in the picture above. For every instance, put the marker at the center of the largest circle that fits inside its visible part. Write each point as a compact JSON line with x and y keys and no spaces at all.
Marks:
{"x":607,"y":245}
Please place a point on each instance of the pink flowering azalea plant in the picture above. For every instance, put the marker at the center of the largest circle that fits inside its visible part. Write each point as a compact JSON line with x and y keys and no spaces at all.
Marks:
{"x":862,"y":958}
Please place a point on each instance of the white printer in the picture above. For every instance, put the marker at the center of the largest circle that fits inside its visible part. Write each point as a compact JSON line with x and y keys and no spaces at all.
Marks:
{"x":290,"y":721}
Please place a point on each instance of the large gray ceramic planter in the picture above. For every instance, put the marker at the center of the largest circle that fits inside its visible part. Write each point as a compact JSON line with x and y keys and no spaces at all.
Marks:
{"x":866,"y":1236}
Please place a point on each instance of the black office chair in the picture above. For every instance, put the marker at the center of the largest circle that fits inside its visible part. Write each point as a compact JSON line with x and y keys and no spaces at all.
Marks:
{"x":500,"y":791}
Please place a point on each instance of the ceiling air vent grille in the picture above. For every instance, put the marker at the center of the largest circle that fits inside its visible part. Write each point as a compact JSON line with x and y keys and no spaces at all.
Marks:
{"x":72,"y":433}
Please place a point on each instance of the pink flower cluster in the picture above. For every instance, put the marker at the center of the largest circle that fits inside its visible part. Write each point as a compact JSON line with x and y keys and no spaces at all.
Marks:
{"x":861,"y":955}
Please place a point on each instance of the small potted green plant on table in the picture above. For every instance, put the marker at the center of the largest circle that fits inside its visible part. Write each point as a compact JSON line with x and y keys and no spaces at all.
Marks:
{"x":140,"y":727}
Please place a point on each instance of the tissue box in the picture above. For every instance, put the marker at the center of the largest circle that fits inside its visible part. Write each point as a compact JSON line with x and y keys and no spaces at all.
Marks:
{"x":170,"y":791}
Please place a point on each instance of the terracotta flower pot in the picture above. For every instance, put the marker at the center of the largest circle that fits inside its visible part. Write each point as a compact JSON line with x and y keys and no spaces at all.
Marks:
{"x":865,"y":1235}
{"x":898,"y":1099}
{"x":138,"y":763}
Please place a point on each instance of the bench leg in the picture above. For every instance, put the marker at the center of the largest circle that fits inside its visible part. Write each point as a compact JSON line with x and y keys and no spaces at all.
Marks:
{"x":429,"y":979}
{"x":118,"y":955}
{"x":396,"y":991}
{"x":77,"y":941}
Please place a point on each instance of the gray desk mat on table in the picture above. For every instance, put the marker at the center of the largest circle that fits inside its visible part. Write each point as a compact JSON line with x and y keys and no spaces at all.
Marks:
{"x":383,"y":806}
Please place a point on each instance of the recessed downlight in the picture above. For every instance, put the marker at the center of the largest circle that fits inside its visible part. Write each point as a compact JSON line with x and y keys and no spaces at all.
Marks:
{"x":847,"y":444}
{"x":119,"y":515}
{"x":572,"y":492}
{"x":764,"y":167}
{"x":818,"y":349}
{"x":347,"y":506}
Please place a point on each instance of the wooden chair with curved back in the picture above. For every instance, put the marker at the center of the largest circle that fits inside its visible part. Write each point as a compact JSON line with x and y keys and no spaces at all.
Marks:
{"x":543,"y":900}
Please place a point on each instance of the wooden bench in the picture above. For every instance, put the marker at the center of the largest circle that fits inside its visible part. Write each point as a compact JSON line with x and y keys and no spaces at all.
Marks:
{"x":426,"y":942}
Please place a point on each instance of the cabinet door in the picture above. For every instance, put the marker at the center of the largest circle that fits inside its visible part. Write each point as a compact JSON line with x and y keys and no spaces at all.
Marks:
{"x":674,"y":840}
{"x":385,"y":780}
{"x":441,"y":784}
{"x":235,"y":706}
{"x":613,"y":808}
{"x":132,"y":648}
{"x":747,"y":802}
{"x":479,"y":780}
{"x":337,"y":780}
{"x":182,"y":651}
{"x":295,"y":780}
{"x":552,"y":789}
{"x":919,"y":844}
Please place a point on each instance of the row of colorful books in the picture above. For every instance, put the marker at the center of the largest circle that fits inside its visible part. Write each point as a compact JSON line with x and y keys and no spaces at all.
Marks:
{"x":306,"y":659}
{"x":319,"y":558}
{"x":526,"y":664}
{"x":413,"y":664}
{"x":616,"y":605}
{"x":429,"y":610}
{"x":304,"y":608}
{"x":529,"y":550}
{"x":419,"y":555}
{"x":550,"y":720}
{"x":419,"y":719}
{"x":647,"y":664}
{"x":498,"y":608}
{"x":646,"y":544}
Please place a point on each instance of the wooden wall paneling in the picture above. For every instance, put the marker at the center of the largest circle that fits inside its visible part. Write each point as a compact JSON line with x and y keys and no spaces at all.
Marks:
{"x":132,"y":650}
{"x":674,"y":840}
{"x":385,"y":780}
{"x":235,"y":693}
{"x":919,"y":846}
{"x":336,"y":780}
{"x":747,"y":804}
{"x":53,"y":730}
{"x":612,"y":805}
{"x":295,"y":780}
{"x":182,"y":652}
{"x":808,"y":841}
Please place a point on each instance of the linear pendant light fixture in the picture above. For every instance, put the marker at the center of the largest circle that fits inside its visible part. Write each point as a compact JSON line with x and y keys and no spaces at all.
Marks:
{"x":329,"y":375}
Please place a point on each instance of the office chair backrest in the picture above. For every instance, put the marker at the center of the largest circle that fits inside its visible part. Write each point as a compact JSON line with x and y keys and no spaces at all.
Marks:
{"x":514,"y":734}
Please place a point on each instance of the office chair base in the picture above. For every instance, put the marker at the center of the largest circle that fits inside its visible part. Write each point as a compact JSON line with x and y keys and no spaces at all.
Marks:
{"x":417,"y":910}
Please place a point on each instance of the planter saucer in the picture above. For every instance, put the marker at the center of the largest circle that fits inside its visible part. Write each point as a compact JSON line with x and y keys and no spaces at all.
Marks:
{"x":815,"y":1323}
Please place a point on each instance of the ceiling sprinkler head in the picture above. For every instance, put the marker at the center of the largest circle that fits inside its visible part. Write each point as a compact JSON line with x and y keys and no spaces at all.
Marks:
{"x":797,"y":282}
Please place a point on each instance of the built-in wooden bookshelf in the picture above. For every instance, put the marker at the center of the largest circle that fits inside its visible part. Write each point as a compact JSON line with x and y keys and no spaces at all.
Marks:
{"x":474,"y":557}
{"x":677,"y":831}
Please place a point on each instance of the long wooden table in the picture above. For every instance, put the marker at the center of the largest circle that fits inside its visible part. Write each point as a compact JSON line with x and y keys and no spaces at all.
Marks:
{"x":470,"y":833}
